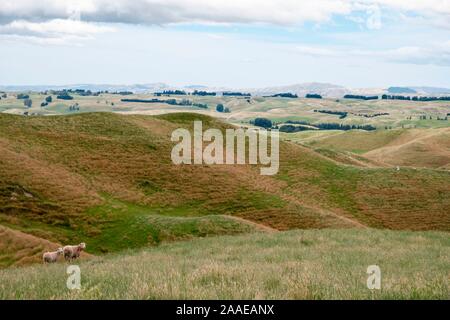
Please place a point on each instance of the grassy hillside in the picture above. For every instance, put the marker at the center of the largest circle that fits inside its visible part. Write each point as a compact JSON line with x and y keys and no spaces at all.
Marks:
{"x":19,"y":248}
{"x":107,"y":179}
{"x":429,"y":148}
{"x":309,"y":264}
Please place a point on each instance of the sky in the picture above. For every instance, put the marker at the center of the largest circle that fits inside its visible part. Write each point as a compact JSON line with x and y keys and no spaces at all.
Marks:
{"x":225,"y":43}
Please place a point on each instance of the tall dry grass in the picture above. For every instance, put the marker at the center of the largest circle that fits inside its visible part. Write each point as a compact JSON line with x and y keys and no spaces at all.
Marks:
{"x":312,"y":264}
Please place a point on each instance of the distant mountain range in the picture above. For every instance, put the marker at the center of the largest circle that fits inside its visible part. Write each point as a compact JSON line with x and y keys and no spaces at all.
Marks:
{"x":431,"y":90}
{"x":137,"y":88}
{"x":401,"y":90}
{"x":419,"y":90}
{"x":324,"y":89}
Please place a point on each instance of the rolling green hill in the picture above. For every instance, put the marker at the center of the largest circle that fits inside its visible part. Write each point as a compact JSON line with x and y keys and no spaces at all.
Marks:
{"x":429,"y":148}
{"x":108,"y":180}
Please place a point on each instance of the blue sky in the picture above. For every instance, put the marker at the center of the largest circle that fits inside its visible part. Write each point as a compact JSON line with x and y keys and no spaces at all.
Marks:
{"x":364,"y":43}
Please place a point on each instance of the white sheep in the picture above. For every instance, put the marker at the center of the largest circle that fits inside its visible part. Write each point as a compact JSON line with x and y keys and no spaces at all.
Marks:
{"x":51,"y":257}
{"x":73,"y":252}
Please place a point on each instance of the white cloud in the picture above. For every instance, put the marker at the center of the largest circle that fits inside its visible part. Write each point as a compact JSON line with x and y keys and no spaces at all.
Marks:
{"x":56,"y":31}
{"x":418,"y":6}
{"x":432,"y":54}
{"x":56,"y":21}
{"x":282,"y":12}
{"x":438,"y":54}
{"x":316,"y":51}
{"x":52,"y":28}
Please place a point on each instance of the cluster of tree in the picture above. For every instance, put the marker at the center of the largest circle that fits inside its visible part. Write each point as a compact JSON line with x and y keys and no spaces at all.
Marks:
{"x":313,"y":96}
{"x":345,"y":127}
{"x":424,"y":117}
{"x":341,"y":114}
{"x":373,"y":115}
{"x":236,"y":94}
{"x":262,"y":122}
{"x":97,"y":93}
{"x":170,"y":92}
{"x":289,"y":128}
{"x":203,"y":93}
{"x":4,"y":95}
{"x":297,"y":122}
{"x":74,"y":107}
{"x":27,"y":102}
{"x":395,"y":97}
{"x":64,"y":96}
{"x":430,"y":98}
{"x":80,"y":92}
{"x":220,"y":108}
{"x":145,"y":100}
{"x":283,"y":95}
{"x":353,"y":96}
{"x":122,"y":93}
{"x":200,"y":105}
{"x":22,"y":96}
{"x":185,"y":102}
{"x":414,"y":98}
{"x":173,"y":102}
{"x":47,"y":101}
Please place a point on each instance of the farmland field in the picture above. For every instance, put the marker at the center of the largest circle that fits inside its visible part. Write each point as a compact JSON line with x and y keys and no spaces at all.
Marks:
{"x":101,"y":173}
{"x":239,"y":152}
{"x":393,"y":113}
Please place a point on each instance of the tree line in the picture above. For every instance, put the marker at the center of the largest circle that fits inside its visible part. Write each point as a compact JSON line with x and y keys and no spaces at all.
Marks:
{"x":414,"y":98}
{"x":174,"y":102}
{"x":236,"y":94}
{"x":170,"y":92}
{"x":341,"y":114}
{"x":313,"y":96}
{"x":353,"y":96}
{"x":289,"y":128}
{"x":283,"y":95}
{"x":203,"y":93}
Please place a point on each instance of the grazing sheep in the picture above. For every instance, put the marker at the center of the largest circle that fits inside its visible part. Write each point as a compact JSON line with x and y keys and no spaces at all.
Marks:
{"x":73,"y":252}
{"x":51,"y":257}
